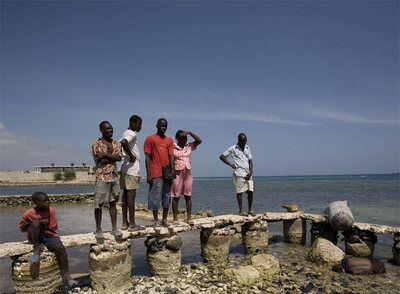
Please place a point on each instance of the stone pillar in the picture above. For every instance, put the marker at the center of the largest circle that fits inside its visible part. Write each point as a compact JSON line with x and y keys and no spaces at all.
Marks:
{"x":48,"y":279}
{"x":396,"y":249}
{"x":323,"y":230}
{"x":255,"y":237}
{"x":294,"y":231}
{"x":359,"y":243}
{"x":163,"y":254}
{"x":110,"y":266}
{"x":215,"y":245}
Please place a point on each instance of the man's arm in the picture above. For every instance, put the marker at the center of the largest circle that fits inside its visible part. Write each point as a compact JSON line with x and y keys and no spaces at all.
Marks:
{"x":225,"y":160}
{"x":125,"y":146}
{"x":248,"y":176}
{"x":147,"y":160}
{"x":172,"y":165}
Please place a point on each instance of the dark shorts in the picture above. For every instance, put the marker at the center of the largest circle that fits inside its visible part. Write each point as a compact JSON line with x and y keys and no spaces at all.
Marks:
{"x":159,"y":194}
{"x":50,"y":242}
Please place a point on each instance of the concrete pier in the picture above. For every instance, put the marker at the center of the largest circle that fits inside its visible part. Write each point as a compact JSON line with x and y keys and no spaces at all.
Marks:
{"x":359,"y":243}
{"x":110,"y":267}
{"x":323,"y":230}
{"x":46,"y":280}
{"x":215,"y":245}
{"x":255,"y":237}
{"x":164,"y":254}
{"x":396,"y":249}
{"x":294,"y":231}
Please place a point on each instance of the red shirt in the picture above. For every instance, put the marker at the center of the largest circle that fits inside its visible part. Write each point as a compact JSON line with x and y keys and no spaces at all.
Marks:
{"x":32,"y":214}
{"x":159,"y":149}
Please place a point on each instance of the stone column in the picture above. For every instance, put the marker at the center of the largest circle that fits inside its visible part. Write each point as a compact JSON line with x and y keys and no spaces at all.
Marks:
{"x":46,"y":280}
{"x":396,"y":249}
{"x":255,"y":237}
{"x":294,"y":231}
{"x":215,"y":245}
{"x":359,"y":243}
{"x":323,"y":230}
{"x":110,"y":266}
{"x":163,"y":254}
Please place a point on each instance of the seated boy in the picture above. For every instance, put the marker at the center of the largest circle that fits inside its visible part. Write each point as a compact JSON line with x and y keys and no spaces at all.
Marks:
{"x":40,"y":225}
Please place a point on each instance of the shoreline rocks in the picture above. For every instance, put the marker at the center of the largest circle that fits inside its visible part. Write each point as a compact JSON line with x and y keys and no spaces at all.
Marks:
{"x":325,"y":252}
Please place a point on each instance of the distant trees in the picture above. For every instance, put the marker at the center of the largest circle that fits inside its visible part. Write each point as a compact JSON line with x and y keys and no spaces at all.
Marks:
{"x":68,"y":175}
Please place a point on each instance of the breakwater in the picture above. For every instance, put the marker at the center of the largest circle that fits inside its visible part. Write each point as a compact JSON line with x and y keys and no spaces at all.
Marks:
{"x":14,"y":200}
{"x":163,"y":248}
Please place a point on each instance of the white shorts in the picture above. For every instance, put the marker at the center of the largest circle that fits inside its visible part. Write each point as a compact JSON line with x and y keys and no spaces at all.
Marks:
{"x":243,"y":185}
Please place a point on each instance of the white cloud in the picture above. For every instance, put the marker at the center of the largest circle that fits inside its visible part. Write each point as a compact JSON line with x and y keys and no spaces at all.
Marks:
{"x":242,"y":116}
{"x":351,"y":118}
{"x":18,"y":153}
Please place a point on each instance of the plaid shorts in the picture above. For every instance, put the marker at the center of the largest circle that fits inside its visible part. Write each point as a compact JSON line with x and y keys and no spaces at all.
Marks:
{"x":159,"y":194}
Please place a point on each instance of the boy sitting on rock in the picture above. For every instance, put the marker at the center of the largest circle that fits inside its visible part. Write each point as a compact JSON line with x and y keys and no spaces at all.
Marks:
{"x":40,"y":225}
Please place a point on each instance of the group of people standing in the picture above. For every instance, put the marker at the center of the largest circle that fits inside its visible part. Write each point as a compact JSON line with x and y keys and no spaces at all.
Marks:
{"x":168,"y":169}
{"x":168,"y":173}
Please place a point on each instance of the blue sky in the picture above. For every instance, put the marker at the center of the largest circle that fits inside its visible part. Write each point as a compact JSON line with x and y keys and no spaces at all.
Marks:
{"x":314,"y":84}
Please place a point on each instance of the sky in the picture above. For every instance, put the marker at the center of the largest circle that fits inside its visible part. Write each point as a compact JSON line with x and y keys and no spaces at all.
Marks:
{"x":313,"y":84}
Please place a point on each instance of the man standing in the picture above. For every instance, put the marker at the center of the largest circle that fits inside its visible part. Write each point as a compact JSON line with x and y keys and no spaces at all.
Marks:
{"x":160,"y":171}
{"x":106,"y":152}
{"x":130,"y":172}
{"x":241,"y":160}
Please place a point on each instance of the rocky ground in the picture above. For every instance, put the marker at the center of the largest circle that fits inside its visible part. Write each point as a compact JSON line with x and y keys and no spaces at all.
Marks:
{"x":297,"y":276}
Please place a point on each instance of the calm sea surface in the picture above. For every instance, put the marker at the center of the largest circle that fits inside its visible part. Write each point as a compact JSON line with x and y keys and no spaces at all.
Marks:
{"x":372,"y":198}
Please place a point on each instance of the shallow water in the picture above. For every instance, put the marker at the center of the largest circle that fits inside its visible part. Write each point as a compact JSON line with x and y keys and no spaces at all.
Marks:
{"x":372,"y":198}
{"x":74,"y":219}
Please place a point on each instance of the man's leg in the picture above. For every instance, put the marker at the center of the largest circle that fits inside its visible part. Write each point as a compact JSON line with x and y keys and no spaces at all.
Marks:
{"x":97,"y":217}
{"x":54,"y":244}
{"x":35,"y":231}
{"x":113,"y":215}
{"x":131,"y":196}
{"x":188,"y":200}
{"x":124,"y":209}
{"x":175,"y":206}
{"x":250,"y":199}
{"x":239,"y":202}
{"x":165,"y":201}
{"x":62,"y":258}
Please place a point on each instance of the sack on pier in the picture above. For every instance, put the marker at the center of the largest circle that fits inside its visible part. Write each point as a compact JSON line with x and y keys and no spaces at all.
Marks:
{"x":339,"y":215}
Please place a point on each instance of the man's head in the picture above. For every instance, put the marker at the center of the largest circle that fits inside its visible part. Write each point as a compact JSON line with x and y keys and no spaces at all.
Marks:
{"x":181,"y":139}
{"x":135,"y":123}
{"x":242,"y":140}
{"x":41,"y":201}
{"x":162,"y":126}
{"x":106,"y":129}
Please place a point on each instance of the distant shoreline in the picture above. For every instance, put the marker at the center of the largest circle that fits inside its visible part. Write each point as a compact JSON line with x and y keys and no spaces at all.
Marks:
{"x":53,"y":183}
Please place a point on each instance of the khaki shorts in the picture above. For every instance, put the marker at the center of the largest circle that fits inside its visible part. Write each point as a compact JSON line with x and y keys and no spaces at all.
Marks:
{"x":129,"y":182}
{"x":243,"y":185}
{"x":105,"y":192}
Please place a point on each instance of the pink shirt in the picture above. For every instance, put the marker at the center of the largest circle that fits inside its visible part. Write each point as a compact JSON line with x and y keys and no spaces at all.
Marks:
{"x":183,"y":156}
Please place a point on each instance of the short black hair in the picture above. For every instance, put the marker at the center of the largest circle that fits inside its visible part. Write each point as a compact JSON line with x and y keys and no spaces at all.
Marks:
{"x":103,"y":123}
{"x":135,"y":119}
{"x":241,"y":134}
{"x":178,"y":134}
{"x":37,"y":196}
{"x":161,"y":119}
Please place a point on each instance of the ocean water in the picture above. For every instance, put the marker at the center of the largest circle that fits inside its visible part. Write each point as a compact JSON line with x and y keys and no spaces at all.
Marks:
{"x":372,"y":198}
